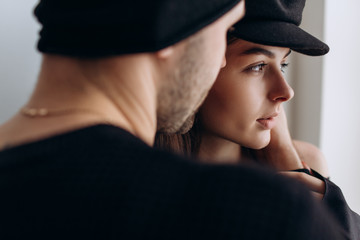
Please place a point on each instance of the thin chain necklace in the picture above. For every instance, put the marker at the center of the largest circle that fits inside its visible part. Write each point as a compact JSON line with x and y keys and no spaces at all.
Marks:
{"x":45,"y":112}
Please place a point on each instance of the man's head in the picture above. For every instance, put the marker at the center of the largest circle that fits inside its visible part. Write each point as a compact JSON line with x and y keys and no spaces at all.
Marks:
{"x":198,"y":61}
{"x":187,"y":37}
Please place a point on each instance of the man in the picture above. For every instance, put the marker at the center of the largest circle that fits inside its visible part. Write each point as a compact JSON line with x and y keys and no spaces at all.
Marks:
{"x":76,"y":161}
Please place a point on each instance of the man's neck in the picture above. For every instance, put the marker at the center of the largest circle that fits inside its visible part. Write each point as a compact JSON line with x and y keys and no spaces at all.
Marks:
{"x":104,"y":91}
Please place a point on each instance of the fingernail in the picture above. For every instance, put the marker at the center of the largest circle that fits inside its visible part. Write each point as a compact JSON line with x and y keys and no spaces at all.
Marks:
{"x":306,"y":166}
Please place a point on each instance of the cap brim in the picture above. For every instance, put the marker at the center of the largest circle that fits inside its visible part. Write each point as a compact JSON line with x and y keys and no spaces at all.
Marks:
{"x":281,"y":34}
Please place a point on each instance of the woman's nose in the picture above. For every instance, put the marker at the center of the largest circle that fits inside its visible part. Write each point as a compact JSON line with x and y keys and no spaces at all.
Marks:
{"x":280,"y":90}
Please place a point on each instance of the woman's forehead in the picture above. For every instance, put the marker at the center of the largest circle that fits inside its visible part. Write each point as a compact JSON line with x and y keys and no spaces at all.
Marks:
{"x":245,"y":48}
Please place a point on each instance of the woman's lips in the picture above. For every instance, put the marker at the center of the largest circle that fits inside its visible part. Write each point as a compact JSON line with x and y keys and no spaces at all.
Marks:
{"x":268,"y":123}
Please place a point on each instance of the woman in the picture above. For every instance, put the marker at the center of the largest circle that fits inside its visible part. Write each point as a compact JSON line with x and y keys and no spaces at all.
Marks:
{"x":242,"y":118}
{"x":243,"y":109}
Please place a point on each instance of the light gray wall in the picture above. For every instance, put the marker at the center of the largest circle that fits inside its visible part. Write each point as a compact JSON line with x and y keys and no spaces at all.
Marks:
{"x":19,"y":61}
{"x":325,"y":108}
{"x":340,"y":128}
{"x":306,"y":79}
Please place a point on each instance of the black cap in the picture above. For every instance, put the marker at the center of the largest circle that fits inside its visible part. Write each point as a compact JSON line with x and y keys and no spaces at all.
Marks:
{"x":99,"y":28}
{"x":276,"y":23}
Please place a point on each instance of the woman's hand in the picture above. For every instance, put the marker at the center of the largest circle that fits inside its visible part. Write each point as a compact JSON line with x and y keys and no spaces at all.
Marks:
{"x":281,"y":153}
{"x":315,"y":185}
{"x":312,"y":156}
{"x":284,"y":154}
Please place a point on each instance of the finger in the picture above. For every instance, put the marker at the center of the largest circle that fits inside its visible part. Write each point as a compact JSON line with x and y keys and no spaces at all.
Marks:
{"x":306,"y":166}
{"x":313,"y":183}
{"x":318,"y":195}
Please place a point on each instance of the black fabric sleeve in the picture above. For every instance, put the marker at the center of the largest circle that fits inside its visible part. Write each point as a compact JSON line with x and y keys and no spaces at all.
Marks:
{"x":336,"y":204}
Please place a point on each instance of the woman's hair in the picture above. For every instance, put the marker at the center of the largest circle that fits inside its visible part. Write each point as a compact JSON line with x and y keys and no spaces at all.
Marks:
{"x":185,"y":144}
{"x":189,"y":143}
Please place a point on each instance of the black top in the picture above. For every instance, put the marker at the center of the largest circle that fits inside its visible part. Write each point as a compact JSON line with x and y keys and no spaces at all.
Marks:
{"x":101,"y":182}
{"x":336,"y":204}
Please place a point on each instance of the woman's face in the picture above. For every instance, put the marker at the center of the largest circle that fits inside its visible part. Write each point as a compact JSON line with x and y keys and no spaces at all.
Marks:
{"x":245,"y":100}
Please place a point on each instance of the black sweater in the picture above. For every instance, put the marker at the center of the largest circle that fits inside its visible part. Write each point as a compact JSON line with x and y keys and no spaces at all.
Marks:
{"x":101,"y":182}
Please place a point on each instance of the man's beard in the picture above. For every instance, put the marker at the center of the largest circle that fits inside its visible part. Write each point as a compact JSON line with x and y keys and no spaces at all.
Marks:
{"x":185,"y":90}
{"x":187,"y":125}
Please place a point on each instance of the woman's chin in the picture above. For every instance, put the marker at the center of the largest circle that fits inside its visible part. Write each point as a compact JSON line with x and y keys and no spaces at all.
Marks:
{"x":259,"y":142}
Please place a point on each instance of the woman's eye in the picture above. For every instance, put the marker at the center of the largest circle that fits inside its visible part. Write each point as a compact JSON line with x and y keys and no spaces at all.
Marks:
{"x":258,"y":68}
{"x":283,"y":67}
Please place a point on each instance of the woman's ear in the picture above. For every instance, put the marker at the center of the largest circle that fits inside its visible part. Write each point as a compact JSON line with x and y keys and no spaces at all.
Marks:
{"x":165,"y":52}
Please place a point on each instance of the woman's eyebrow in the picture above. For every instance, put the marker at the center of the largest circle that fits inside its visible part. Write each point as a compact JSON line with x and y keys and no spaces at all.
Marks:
{"x":258,"y":51}
{"x":261,"y":51}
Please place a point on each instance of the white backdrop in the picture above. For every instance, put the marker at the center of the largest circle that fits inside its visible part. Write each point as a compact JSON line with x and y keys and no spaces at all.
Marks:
{"x":340,"y":132}
{"x":19,"y":61}
{"x":325,"y":110}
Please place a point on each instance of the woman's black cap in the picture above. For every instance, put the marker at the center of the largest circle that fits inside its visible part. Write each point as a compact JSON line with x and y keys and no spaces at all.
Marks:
{"x":276,"y":23}
{"x":99,"y":28}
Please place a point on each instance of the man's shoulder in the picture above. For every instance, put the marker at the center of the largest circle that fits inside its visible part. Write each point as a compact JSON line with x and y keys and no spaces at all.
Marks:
{"x":113,"y":147}
{"x":114,"y":175}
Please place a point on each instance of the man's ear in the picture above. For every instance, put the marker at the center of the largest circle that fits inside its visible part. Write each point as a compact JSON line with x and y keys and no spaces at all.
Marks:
{"x":165,"y":52}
